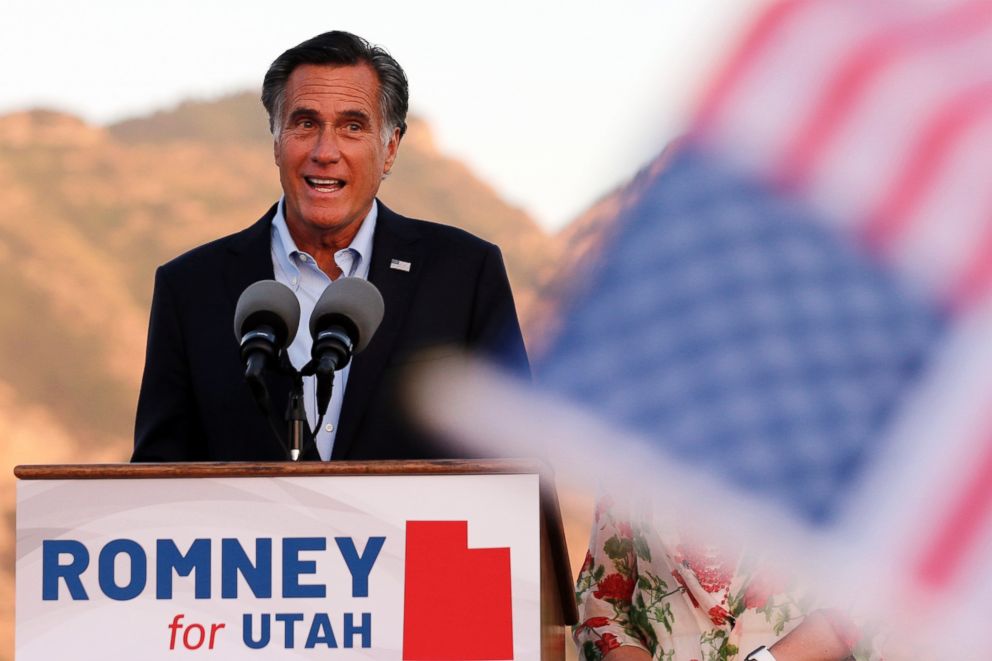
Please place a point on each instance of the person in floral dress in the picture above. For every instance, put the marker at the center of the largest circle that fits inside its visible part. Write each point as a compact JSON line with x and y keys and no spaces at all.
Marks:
{"x":648,"y":591}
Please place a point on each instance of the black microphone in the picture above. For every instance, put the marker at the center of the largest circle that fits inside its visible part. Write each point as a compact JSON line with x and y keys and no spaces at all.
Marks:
{"x":265,"y":322}
{"x":343,"y":322}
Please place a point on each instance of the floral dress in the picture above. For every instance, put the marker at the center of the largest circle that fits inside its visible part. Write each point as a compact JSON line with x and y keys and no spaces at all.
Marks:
{"x":644,"y":583}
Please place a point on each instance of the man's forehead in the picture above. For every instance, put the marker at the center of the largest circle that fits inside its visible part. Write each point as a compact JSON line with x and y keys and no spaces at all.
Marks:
{"x":357,"y":83}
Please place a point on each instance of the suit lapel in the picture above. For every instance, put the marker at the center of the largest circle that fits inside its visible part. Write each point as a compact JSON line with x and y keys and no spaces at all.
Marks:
{"x":249,"y":258}
{"x":395,"y":239}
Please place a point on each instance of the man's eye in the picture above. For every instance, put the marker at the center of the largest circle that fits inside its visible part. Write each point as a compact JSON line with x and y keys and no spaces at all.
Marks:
{"x":306,"y":124}
{"x":354,"y":126}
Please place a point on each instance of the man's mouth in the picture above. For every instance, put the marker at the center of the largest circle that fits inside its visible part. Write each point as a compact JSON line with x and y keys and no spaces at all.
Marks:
{"x":322,"y":185}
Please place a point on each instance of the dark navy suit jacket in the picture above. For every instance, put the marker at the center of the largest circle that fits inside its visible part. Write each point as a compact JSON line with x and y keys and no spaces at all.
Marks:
{"x":194,"y":403}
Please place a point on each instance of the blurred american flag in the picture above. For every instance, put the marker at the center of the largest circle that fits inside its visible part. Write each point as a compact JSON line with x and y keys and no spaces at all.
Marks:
{"x":800,"y":305}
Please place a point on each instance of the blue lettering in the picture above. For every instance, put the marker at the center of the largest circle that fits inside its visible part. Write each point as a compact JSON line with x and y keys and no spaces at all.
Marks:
{"x":169,"y":559}
{"x":289,"y":621}
{"x":263,"y":639}
{"x":52,"y":571}
{"x":321,"y":632}
{"x":139,"y":569}
{"x":350,"y":630}
{"x":359,"y":565}
{"x":234,"y":560}
{"x":292,"y":567}
{"x":67,"y":560}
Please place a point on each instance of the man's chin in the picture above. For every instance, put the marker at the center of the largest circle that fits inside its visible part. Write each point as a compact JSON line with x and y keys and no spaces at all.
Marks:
{"x":322,"y":218}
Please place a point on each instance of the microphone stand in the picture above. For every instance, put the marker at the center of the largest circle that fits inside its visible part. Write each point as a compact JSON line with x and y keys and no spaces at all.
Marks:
{"x":296,"y":417}
{"x":295,"y":443}
{"x":296,"y":414}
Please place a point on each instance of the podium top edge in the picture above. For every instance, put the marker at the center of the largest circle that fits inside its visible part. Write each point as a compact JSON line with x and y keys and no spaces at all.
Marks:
{"x":280,"y":469}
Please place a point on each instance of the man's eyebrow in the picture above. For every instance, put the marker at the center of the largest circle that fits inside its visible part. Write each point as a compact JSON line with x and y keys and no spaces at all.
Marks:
{"x":355,"y":115}
{"x":302,"y":111}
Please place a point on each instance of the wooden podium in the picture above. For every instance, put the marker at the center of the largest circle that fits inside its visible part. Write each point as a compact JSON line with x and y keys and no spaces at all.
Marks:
{"x":410,"y":560}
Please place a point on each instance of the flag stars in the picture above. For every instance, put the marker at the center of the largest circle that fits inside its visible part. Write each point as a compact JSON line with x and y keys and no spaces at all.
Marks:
{"x":741,"y":331}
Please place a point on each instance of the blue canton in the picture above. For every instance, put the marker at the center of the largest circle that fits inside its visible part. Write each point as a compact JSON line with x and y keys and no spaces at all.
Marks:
{"x":732,"y":328}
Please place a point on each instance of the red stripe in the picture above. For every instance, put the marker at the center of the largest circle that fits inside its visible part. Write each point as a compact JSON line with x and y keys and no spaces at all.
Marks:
{"x":926,"y":160}
{"x":858,"y":70}
{"x":942,"y":560}
{"x":754,"y":43}
{"x":977,"y":276}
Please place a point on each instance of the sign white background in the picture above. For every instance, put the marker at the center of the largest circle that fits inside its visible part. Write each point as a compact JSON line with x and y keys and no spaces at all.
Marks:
{"x":502,"y":511}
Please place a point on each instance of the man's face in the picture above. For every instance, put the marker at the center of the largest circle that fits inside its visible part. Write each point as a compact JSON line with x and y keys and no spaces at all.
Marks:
{"x":330,"y":152}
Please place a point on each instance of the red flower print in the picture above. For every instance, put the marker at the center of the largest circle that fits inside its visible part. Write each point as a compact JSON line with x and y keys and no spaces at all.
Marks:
{"x":712,"y":570}
{"x":685,"y":588}
{"x":762,"y":586}
{"x":624,"y":529}
{"x":614,"y":586}
{"x":607,"y":642}
{"x":596,"y":622}
{"x":755,"y":596}
{"x":718,"y":615}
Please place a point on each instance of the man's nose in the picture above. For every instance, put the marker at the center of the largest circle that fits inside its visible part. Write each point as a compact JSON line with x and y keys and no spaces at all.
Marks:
{"x":325,"y":149}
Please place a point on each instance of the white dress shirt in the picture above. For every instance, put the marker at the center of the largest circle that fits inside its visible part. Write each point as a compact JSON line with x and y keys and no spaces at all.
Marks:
{"x":299,"y":271}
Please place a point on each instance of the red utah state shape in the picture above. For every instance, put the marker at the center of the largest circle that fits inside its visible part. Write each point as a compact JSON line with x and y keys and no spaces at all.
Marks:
{"x":457,"y":603}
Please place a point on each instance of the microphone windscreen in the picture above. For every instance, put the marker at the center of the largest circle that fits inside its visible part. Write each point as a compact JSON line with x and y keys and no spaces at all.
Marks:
{"x":356,"y":299}
{"x":271,"y":303}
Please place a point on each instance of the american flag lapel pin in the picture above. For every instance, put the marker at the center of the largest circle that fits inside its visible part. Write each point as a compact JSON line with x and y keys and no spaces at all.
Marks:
{"x":399,"y":265}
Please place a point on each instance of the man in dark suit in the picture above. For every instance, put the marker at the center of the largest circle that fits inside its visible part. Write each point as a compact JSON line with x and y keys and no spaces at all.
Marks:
{"x":337,"y":109}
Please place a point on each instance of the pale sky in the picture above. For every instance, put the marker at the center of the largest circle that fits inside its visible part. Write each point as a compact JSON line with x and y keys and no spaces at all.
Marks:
{"x":551,"y":103}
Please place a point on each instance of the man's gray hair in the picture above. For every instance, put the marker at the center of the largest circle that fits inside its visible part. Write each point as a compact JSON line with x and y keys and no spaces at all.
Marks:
{"x":344,"y":49}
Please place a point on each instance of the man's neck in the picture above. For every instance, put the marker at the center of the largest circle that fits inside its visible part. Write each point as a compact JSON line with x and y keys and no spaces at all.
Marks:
{"x":323,"y":245}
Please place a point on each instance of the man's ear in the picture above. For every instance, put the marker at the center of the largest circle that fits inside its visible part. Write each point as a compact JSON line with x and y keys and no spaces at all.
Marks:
{"x":392,"y":148}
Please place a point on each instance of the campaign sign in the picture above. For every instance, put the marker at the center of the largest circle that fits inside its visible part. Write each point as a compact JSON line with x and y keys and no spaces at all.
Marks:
{"x":329,"y":567}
